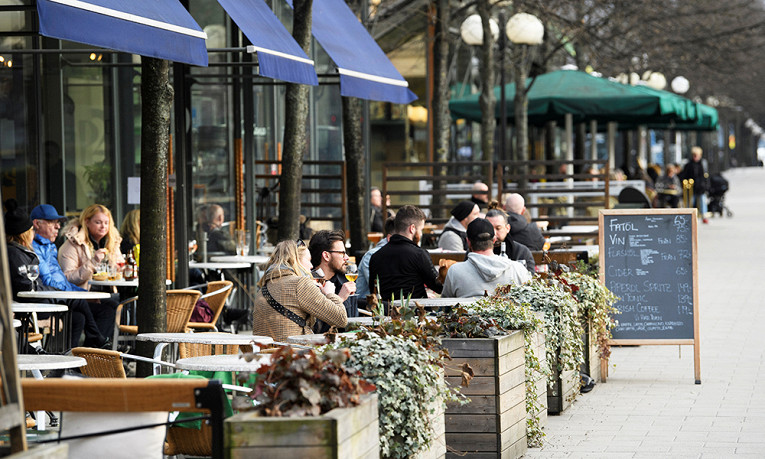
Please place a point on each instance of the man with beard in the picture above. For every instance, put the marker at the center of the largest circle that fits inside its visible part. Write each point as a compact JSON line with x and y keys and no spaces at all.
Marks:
{"x":514,"y":250}
{"x":522,"y":231}
{"x":401,"y":266}
{"x":328,"y":253}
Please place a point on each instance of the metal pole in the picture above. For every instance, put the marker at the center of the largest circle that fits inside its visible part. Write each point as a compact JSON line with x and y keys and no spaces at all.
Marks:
{"x":502,"y":101}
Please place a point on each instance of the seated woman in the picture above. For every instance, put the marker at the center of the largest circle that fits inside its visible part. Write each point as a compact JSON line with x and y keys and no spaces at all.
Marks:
{"x":290,"y":300}
{"x":91,"y":240}
{"x":19,"y":235}
{"x":130,"y":231}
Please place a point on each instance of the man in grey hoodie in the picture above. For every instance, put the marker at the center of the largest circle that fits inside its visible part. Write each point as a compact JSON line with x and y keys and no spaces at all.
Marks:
{"x":483,"y":270}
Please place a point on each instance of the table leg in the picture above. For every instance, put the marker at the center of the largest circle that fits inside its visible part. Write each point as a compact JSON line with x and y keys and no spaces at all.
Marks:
{"x":40,"y":415}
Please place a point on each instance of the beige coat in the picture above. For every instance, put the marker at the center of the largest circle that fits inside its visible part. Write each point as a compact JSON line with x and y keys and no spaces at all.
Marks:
{"x":76,"y":256}
{"x":301,"y":295}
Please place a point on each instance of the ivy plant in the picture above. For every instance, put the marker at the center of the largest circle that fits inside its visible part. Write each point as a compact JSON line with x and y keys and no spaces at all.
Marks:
{"x":409,"y":385}
{"x":596,"y":303}
{"x":562,"y":327}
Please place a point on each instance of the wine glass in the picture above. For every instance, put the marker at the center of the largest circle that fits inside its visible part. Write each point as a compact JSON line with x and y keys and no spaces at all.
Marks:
{"x":33,"y":272}
{"x":351,"y":272}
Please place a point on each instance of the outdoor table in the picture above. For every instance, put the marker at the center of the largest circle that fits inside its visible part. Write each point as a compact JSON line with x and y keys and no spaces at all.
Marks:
{"x":438,"y":302}
{"x":252,"y":259}
{"x":36,"y":363}
{"x":119,"y":283}
{"x":227,"y":362}
{"x":65,"y":295}
{"x":315,"y":339}
{"x":226,"y":339}
{"x":438,"y":254}
{"x":57,"y":311}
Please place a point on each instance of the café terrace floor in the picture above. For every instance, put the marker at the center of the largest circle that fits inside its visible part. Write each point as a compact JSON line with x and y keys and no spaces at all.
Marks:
{"x":650,"y":406}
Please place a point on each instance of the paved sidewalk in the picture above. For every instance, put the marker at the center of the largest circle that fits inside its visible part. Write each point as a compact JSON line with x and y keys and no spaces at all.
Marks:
{"x":650,"y":406}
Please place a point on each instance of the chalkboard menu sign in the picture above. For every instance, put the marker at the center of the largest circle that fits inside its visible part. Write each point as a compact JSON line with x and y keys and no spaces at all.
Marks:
{"x":647,"y":259}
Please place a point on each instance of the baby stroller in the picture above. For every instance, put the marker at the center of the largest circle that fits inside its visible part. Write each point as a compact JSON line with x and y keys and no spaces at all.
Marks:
{"x":718,"y":186}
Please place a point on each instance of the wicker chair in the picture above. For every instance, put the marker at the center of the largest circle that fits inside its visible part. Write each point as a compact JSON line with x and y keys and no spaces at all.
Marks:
{"x":216,"y":296}
{"x":101,"y":362}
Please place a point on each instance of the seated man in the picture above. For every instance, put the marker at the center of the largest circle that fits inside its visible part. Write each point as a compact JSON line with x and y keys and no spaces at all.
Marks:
{"x":453,"y":236}
{"x":522,"y":231}
{"x":515,"y":251}
{"x":401,"y":266}
{"x":480,"y":194}
{"x":483,"y":271}
{"x":211,"y":220}
{"x":328,"y":253}
{"x":362,"y":283}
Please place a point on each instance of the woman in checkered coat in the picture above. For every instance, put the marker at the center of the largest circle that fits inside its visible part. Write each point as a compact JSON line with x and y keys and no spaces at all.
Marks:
{"x":290,"y":300}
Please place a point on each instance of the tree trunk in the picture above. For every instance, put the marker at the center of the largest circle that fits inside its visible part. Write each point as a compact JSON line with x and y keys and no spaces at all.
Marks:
{"x":487,"y":100}
{"x":295,"y":133}
{"x":440,"y":101}
{"x":157,"y":99}
{"x":354,"y":172}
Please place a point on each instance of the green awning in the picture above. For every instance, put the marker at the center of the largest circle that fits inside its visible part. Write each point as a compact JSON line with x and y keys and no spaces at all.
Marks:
{"x":555,"y":94}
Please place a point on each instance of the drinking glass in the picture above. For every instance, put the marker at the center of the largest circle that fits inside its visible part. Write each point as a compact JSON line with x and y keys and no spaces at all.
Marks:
{"x":351,"y":272}
{"x":242,"y":242}
{"x":33,"y":272}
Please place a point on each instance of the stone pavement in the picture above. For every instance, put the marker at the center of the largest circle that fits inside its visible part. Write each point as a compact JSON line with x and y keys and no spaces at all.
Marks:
{"x":650,"y":406}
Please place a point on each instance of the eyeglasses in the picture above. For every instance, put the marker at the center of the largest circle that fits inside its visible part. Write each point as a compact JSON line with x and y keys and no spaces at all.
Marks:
{"x":300,"y":243}
{"x":343,"y":252}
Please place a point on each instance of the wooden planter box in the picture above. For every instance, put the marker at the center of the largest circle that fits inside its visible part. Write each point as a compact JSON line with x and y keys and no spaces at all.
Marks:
{"x":592,"y":363}
{"x":493,"y":424}
{"x":341,"y":433}
{"x":561,"y":393}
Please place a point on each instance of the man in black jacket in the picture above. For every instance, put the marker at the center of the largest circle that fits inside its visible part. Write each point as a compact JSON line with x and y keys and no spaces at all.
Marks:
{"x":696,"y":170}
{"x":522,"y":231}
{"x":514,"y":250}
{"x":401,"y":266}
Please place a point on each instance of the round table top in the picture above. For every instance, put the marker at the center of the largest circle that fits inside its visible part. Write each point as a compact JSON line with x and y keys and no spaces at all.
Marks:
{"x":252,"y":259}
{"x":439,"y":302}
{"x":120,"y":283}
{"x":218,"y":265}
{"x":205,"y":338}
{"x":38,"y":307}
{"x":316,"y":339}
{"x":48,"y":362}
{"x":367,"y":320}
{"x":225,"y":362}
{"x":65,"y":295}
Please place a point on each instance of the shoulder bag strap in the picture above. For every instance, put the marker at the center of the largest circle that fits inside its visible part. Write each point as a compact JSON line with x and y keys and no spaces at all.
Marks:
{"x":281,"y":309}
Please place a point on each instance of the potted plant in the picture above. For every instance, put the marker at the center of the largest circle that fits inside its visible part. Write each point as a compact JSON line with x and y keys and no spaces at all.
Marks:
{"x":562,"y":330}
{"x":596,"y":307}
{"x":498,"y":340}
{"x":402,"y":359}
{"x":307,"y":403}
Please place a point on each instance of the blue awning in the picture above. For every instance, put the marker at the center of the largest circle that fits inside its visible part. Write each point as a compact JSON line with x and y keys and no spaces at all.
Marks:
{"x":365,"y":70}
{"x":161,"y":29}
{"x":279,"y":55}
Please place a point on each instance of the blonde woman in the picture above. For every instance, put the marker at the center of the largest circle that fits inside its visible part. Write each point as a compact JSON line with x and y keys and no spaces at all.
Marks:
{"x":90,"y":240}
{"x":290,"y":301}
{"x":130,"y":230}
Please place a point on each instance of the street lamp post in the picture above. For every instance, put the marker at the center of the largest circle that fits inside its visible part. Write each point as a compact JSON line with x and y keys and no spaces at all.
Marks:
{"x":522,"y":29}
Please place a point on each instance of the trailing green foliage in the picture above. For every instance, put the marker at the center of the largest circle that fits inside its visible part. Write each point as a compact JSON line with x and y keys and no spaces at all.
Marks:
{"x":562,"y":327}
{"x":409,"y":385}
{"x":596,"y":304}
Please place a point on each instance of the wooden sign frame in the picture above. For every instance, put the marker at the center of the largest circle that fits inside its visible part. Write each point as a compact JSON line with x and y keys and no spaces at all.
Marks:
{"x":694,"y":265}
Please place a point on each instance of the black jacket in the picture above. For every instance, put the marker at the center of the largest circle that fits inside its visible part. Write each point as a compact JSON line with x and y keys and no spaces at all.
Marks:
{"x":402,"y":265}
{"x":18,"y":255}
{"x":517,"y":252}
{"x":524,"y":232}
{"x":695,"y":170}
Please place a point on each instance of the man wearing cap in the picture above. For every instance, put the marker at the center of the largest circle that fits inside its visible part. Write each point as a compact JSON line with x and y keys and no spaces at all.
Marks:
{"x":454,"y":236}
{"x":46,"y":223}
{"x":483,"y":271}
